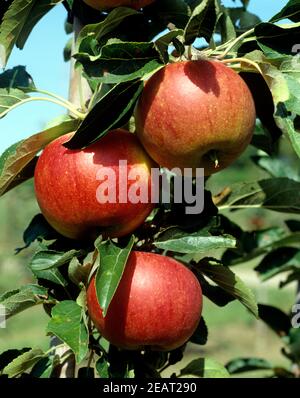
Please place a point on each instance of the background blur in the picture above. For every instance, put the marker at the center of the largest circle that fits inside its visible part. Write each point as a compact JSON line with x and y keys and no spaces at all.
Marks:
{"x":233,"y":332}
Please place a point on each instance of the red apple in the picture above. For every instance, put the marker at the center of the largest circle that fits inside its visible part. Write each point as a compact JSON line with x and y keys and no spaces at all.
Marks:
{"x":195,"y":114}
{"x":158,"y":303}
{"x":107,"y":4}
{"x":69,"y":184}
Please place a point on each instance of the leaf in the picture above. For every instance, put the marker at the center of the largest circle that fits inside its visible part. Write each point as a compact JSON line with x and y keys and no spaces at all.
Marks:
{"x":290,"y":11}
{"x":201,"y":23}
{"x":278,"y":261}
{"x":19,"y":155}
{"x":230,"y":282}
{"x":18,"y":22}
{"x":110,"y":112}
{"x":163,"y":42}
{"x":275,"y":318}
{"x":37,"y":229}
{"x":68,"y":324}
{"x":8,"y":356}
{"x":121,"y":61}
{"x":240,"y":365}
{"x":102,"y":368}
{"x":44,"y":367}
{"x":17,"y":77}
{"x":201,"y":333}
{"x":48,"y":259}
{"x":25,"y":297}
{"x":206,"y":368}
{"x":113,"y":260}
{"x":277,"y":194}
{"x":100,"y":30}
{"x":214,"y":293}
{"x":180,"y":241}
{"x":10,"y":98}
{"x":52,"y":275}
{"x":23,"y":362}
{"x":277,"y":167}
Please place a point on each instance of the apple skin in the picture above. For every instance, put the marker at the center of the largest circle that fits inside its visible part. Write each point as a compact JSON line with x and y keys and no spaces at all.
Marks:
{"x":158,"y":303}
{"x":107,"y":4}
{"x":191,"y":112}
{"x":66,"y":185}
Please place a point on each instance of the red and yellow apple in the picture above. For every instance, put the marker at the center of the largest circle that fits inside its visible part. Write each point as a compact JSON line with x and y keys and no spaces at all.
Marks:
{"x":195,"y":114}
{"x":158,"y":303}
{"x":83,"y":193}
{"x":107,"y":4}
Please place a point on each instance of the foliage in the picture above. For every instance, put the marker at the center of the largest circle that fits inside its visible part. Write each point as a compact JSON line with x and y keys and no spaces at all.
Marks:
{"x":116,"y":52}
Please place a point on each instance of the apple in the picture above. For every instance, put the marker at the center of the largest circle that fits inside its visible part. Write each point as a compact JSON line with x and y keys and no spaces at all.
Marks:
{"x":107,"y":4}
{"x":195,"y":114}
{"x":83,"y":193}
{"x":158,"y":303}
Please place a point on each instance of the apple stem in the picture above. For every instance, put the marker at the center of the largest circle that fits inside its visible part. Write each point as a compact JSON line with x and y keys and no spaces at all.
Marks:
{"x":240,"y":60}
{"x":214,"y":158}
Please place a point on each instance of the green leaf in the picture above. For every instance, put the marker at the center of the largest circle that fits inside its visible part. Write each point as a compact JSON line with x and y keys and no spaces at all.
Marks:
{"x":110,"y":112}
{"x":25,"y":297}
{"x":201,"y":23}
{"x":18,"y":22}
{"x":44,"y":367}
{"x":278,"y":167}
{"x":277,"y":194}
{"x":121,"y":61}
{"x":240,"y":365}
{"x":48,"y":259}
{"x":52,"y":275}
{"x":290,"y":11}
{"x":23,"y":362}
{"x":113,"y":260}
{"x":8,"y":356}
{"x":16,"y":77}
{"x":15,"y":159}
{"x":68,"y":324}
{"x":275,"y":318}
{"x":229,"y":281}
{"x":100,"y":30}
{"x":102,"y":367}
{"x":278,"y":261}
{"x":180,"y":241}
{"x":10,"y":98}
{"x":37,"y":229}
{"x":163,"y":42}
{"x":201,"y":333}
{"x":206,"y":368}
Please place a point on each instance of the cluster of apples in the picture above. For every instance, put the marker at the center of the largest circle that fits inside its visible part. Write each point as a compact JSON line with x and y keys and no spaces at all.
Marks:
{"x":190,"y":113}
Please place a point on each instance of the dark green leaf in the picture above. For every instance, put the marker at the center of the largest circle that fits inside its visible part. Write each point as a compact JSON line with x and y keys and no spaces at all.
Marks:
{"x":275,"y":318}
{"x":44,"y":367}
{"x":206,"y":368}
{"x":201,"y":333}
{"x":230,"y":282}
{"x":293,"y":225}
{"x":280,"y":260}
{"x":110,"y":112}
{"x":240,"y":365}
{"x":278,"y":194}
{"x":23,"y":362}
{"x":16,"y":77}
{"x":291,"y":11}
{"x":215,"y":293}
{"x":68,"y":324}
{"x":8,"y":356}
{"x":163,"y":42}
{"x":113,"y":260}
{"x":18,"y":22}
{"x":201,"y":23}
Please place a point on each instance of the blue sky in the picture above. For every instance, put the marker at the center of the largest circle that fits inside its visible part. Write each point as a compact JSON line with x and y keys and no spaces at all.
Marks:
{"x":43,"y":59}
